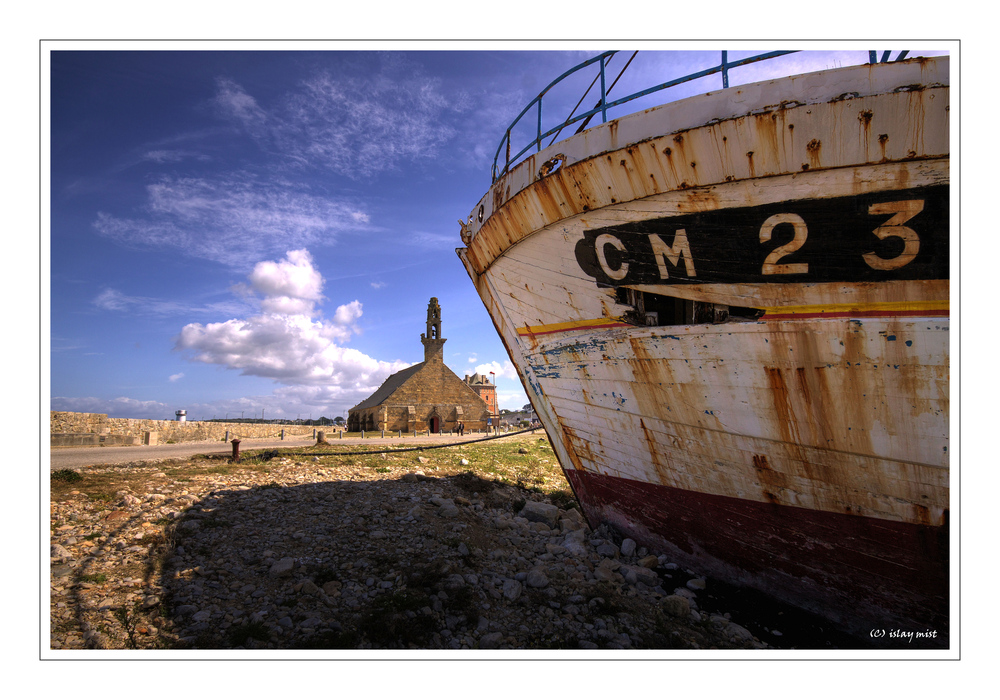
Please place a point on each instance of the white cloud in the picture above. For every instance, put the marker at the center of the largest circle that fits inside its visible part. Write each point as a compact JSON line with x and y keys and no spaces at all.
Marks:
{"x":165,"y":155}
{"x":512,"y":400}
{"x":112,"y":300}
{"x":505,"y":370}
{"x":232,"y":219}
{"x":117,"y":407}
{"x":291,"y":286}
{"x":289,"y":341}
{"x":176,"y":377}
{"x":233,"y":102}
{"x":355,"y":126}
{"x":347,"y":314}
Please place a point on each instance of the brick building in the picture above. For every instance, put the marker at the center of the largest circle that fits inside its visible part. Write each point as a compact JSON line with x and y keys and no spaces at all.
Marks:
{"x":426,"y":396}
{"x":486,"y":390}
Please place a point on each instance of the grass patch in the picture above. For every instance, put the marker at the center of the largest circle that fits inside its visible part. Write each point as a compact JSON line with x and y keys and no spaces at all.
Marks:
{"x":68,"y":476}
{"x":93,"y":578}
{"x":564,"y":498}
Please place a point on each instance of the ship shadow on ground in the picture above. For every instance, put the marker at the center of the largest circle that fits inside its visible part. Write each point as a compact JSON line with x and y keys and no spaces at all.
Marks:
{"x":362,"y":564}
{"x":346,"y":564}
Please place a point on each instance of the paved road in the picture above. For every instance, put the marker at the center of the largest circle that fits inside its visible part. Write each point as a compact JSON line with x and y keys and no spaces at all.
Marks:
{"x":76,"y":457}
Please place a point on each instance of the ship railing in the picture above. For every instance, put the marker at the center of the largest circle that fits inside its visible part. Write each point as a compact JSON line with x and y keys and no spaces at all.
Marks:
{"x":603,"y":104}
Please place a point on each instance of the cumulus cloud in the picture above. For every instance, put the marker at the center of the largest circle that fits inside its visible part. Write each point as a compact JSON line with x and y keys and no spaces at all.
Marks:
{"x":291,"y":286}
{"x":289,"y":341}
{"x":505,"y":370}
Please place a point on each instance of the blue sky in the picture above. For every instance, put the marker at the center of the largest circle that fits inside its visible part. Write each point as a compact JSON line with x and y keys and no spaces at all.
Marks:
{"x":235,"y":232}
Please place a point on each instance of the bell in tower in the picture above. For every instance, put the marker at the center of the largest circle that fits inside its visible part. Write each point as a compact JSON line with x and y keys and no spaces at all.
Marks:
{"x":432,"y":340}
{"x":433,"y":319}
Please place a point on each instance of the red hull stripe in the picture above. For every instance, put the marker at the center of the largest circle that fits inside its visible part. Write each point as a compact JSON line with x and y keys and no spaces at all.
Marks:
{"x":859,"y":572}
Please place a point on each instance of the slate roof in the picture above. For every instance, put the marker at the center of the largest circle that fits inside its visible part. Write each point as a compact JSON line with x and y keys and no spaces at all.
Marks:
{"x":388,"y":387}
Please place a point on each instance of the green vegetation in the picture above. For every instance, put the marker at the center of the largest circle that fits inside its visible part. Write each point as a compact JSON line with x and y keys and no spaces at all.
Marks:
{"x":67,"y":475}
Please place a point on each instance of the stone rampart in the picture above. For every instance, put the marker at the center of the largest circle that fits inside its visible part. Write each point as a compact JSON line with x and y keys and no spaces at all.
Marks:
{"x":74,"y":429}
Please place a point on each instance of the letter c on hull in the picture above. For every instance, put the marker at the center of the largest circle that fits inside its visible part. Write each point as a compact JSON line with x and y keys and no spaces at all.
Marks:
{"x":607,"y":239}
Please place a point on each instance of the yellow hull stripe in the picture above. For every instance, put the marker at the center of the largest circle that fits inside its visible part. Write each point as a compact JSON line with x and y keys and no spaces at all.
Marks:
{"x":592,"y":323}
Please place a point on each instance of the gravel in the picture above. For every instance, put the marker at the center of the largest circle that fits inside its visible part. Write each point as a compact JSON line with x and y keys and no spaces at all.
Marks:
{"x":330,"y":555}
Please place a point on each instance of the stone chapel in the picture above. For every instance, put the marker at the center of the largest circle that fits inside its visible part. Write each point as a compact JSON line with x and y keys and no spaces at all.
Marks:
{"x":426,"y":396}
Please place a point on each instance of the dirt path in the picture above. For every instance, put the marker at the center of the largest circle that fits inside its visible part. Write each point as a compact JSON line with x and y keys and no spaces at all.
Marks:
{"x":76,"y":457}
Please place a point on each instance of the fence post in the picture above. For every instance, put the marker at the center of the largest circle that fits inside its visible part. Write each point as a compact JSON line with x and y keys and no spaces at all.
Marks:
{"x":282,"y":433}
{"x":236,"y":450}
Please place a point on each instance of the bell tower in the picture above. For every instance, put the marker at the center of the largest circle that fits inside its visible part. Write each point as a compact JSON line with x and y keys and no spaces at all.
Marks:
{"x":432,"y":340}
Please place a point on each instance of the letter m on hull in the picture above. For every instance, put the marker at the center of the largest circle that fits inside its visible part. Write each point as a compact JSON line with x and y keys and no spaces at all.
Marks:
{"x":673,"y":253}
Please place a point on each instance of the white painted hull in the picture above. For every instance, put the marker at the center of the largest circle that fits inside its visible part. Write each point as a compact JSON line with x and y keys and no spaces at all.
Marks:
{"x":822,"y":424}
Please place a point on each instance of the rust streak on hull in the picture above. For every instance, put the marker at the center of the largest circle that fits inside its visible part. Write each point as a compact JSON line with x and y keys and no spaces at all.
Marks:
{"x":739,"y":360}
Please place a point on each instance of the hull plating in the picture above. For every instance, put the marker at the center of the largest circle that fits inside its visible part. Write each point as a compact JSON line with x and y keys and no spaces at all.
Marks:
{"x":744,"y":361}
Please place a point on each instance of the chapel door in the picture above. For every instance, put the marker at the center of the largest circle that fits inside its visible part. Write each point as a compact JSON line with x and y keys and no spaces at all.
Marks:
{"x":435,"y":424}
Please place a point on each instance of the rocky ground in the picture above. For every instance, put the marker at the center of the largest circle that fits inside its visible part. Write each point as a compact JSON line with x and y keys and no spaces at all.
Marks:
{"x":439,"y":549}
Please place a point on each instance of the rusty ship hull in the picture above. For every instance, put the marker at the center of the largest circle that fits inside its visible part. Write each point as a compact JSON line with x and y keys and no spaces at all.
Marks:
{"x":731,"y":315}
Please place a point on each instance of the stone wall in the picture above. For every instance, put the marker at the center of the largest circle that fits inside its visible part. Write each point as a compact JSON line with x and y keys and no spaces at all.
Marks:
{"x":68,"y":429}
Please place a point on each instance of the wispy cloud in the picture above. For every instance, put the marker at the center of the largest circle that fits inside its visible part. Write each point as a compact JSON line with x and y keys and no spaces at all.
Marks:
{"x":233,"y":102}
{"x":110,"y":299}
{"x":356,"y":127}
{"x":428,"y":239}
{"x":232,"y":220}
{"x":120,"y":406}
{"x":176,"y":377}
{"x":172,"y":156}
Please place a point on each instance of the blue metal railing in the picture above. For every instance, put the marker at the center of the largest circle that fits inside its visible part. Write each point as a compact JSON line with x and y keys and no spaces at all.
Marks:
{"x":603,"y":105}
{"x":873,"y":56}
